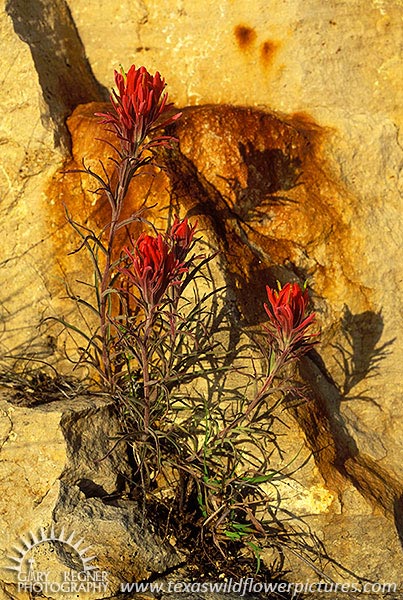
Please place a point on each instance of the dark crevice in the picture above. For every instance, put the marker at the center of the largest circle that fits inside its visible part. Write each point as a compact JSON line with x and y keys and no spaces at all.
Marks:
{"x":335,"y":450}
{"x":398,"y":515}
{"x":64,"y":72}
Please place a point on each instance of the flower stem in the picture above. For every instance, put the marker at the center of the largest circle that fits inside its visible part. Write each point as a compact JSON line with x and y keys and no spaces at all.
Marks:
{"x":125,"y":172}
{"x":275,"y":368}
{"x":146,"y":369}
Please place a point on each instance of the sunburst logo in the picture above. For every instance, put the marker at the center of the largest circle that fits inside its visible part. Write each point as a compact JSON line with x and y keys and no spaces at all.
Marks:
{"x":82,"y":576}
{"x":28,"y":543}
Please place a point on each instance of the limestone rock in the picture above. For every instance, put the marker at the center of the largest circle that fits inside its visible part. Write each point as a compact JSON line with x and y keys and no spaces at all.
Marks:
{"x":59,"y":474}
{"x":46,"y":76}
{"x":118,"y":536}
{"x":290,"y":156}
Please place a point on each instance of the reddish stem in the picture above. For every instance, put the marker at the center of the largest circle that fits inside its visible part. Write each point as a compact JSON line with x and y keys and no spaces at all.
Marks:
{"x":145,"y":368}
{"x":277,"y":366}
{"x":125,"y":170}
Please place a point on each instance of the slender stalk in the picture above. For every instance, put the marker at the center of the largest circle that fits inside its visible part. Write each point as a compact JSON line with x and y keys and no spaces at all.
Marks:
{"x":146,"y":369}
{"x":125,"y":172}
{"x":104,"y":301}
{"x":279,"y":363}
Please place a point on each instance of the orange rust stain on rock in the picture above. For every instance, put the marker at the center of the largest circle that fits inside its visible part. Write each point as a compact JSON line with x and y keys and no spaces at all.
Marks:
{"x":267,"y":52}
{"x":263,"y":177}
{"x":245,"y":174}
{"x":244,"y":35}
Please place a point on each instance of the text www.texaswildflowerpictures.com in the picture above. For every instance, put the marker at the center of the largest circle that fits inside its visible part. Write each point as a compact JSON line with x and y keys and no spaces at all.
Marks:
{"x":247,"y":585}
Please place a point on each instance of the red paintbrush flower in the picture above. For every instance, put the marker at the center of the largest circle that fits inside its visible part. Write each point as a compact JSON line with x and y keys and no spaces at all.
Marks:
{"x":138,"y":105}
{"x":181,"y":236}
{"x":289,"y":318}
{"x":153,"y":269}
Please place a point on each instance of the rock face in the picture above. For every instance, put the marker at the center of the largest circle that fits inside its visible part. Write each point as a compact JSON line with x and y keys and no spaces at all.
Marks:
{"x":289,"y":155}
{"x":59,"y":474}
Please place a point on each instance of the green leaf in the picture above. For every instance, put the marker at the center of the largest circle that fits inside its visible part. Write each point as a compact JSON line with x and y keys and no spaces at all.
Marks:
{"x":232,"y":535}
{"x":272,"y":361}
{"x":86,"y":304}
{"x":257,"y":552}
{"x":89,"y":339}
{"x":243,"y":528}
{"x":260,"y":478}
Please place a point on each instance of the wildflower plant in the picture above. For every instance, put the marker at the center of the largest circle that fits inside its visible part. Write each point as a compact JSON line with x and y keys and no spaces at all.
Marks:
{"x":155,"y":335}
{"x":138,"y":108}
